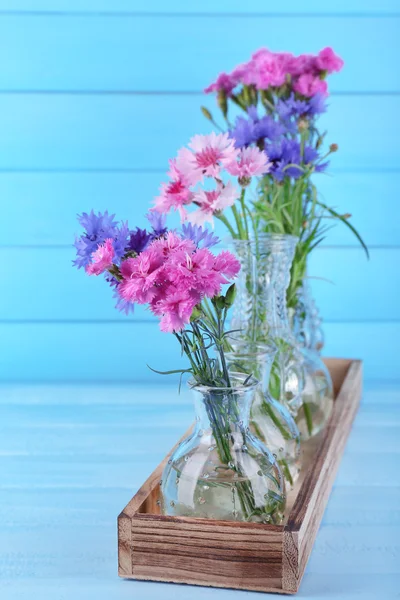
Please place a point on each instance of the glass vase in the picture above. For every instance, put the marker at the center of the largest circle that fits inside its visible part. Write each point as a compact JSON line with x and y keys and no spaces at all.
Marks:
{"x":299,"y":379}
{"x":305,"y":319}
{"x":270,"y":420}
{"x":222,"y":471}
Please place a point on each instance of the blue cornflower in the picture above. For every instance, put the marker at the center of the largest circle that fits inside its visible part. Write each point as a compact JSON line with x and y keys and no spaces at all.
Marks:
{"x":317,"y":105}
{"x":138,"y":240}
{"x":266,"y":127}
{"x":98,"y":228}
{"x":122,"y":305}
{"x":243,"y":132}
{"x":157,"y":222}
{"x":203,"y":238}
{"x":120,"y":242}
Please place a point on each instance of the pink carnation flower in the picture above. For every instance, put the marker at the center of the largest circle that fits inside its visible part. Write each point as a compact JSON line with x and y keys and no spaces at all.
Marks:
{"x":196,"y":272}
{"x":175,"y":308}
{"x":227,"y":264}
{"x":268,"y":69}
{"x":208,"y":154}
{"x":327,"y":60}
{"x":139,"y":276}
{"x":223,"y":82}
{"x":210,"y":202}
{"x":300,"y":65}
{"x":252,"y":161}
{"x":102,"y":258}
{"x":175,"y":194}
{"x":308,"y":85}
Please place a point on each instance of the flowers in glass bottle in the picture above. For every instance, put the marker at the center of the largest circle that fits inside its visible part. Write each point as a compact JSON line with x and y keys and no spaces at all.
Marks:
{"x":281,"y":97}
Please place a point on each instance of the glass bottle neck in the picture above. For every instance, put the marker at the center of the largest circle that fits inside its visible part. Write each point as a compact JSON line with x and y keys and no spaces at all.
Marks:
{"x":225,"y":411}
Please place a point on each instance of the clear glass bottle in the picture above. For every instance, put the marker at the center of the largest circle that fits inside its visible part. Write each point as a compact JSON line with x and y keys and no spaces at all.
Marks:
{"x":222,"y":471}
{"x":306,"y":321}
{"x":299,"y":379}
{"x":270,"y":420}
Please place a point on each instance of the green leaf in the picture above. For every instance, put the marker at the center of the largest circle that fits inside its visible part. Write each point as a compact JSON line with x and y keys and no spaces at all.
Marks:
{"x":347,"y":223}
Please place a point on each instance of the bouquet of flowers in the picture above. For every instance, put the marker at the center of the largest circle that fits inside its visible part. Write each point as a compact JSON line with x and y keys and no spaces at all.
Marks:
{"x":282,"y":96}
{"x":178,"y":278}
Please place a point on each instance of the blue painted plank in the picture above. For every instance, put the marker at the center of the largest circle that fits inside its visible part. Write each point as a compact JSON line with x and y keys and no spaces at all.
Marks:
{"x":45,"y":204}
{"x":205,"y":6}
{"x":99,"y":53}
{"x":67,"y":294}
{"x":314,"y":587}
{"x":132,"y":132}
{"x":38,"y":352}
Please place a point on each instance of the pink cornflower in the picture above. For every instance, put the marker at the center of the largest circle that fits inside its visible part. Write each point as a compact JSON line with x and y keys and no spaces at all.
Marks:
{"x":251,"y":161}
{"x":328,"y":61}
{"x":223,"y":82}
{"x":102,"y":258}
{"x":308,"y":85}
{"x":207,"y":155}
{"x":174,"y":194}
{"x":211,"y":202}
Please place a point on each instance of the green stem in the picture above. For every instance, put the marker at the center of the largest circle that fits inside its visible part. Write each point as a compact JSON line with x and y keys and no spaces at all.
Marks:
{"x":308,"y":417}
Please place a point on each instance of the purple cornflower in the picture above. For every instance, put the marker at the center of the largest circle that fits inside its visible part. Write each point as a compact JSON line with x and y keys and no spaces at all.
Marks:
{"x":287,"y":160}
{"x":98,"y":228}
{"x":122,"y":305}
{"x":158,"y":223}
{"x":138,"y":240}
{"x":203,"y":238}
{"x":243,"y":132}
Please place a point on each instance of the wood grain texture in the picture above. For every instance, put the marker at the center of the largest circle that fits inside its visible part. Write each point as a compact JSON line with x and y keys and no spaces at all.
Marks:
{"x":242,"y":555}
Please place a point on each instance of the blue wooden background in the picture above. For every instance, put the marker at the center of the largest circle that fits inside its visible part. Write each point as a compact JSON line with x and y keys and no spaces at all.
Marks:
{"x":96,"y":96}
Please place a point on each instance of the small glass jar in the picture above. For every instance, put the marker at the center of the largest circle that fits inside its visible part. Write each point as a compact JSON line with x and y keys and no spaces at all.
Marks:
{"x":222,"y":471}
{"x":270,"y":420}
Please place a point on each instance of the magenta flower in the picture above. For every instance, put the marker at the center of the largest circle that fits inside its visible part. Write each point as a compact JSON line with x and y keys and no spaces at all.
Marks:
{"x":251,"y":162}
{"x":208,"y":154}
{"x":139,"y":277}
{"x":328,"y":61}
{"x":223,"y":82}
{"x":308,"y":85}
{"x":172,"y":276}
{"x":211,"y":202}
{"x":102,"y":258}
{"x":269,"y":69}
{"x":175,"y":309}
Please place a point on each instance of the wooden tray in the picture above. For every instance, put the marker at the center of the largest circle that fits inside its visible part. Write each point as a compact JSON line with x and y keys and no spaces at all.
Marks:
{"x":230,"y":554}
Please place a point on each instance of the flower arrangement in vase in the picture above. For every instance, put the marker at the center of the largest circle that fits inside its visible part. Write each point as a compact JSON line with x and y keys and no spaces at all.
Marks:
{"x":221,"y":470}
{"x":281,"y":97}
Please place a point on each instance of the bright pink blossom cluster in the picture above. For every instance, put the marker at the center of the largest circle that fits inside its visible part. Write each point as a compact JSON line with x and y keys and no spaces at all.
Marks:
{"x":172,"y":276}
{"x":206,"y":160}
{"x":305,"y":73}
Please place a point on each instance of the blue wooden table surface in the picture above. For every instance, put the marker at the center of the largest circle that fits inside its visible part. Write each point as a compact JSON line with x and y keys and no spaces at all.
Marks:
{"x":72,"y":456}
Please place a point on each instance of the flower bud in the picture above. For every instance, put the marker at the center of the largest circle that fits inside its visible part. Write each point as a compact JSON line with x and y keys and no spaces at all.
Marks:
{"x":196,"y":313}
{"x":222,"y":102}
{"x":333,"y":147}
{"x":346,"y":216}
{"x":230,"y":296}
{"x":244,"y":181}
{"x":302,"y":125}
{"x":206,"y":113}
